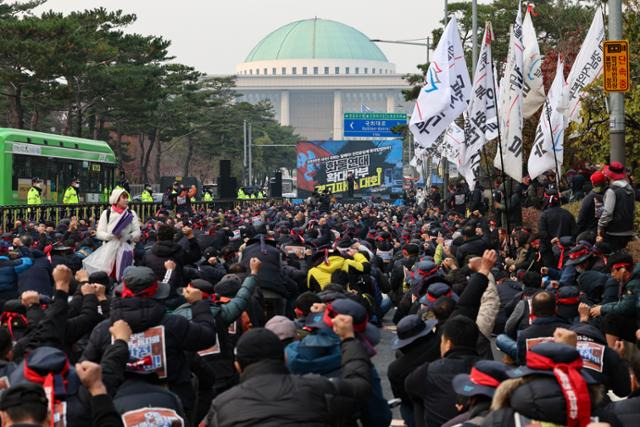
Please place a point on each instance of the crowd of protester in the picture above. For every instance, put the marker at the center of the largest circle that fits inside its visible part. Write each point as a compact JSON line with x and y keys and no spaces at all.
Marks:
{"x":269,"y":314}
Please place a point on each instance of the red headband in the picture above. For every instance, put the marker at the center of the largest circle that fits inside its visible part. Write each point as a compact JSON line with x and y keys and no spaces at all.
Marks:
{"x":578,"y":254}
{"x":568,"y":300}
{"x":8,"y":317}
{"x":620,"y":265}
{"x":424,"y":273}
{"x":480,"y":378}
{"x":330,"y":313}
{"x":573,"y":386}
{"x":205,"y":295}
{"x":148,"y":292}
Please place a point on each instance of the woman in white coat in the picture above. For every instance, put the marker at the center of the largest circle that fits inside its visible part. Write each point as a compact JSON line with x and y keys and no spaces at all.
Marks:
{"x":118,"y":227}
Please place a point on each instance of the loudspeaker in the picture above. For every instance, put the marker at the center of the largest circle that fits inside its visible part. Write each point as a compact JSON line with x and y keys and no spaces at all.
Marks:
{"x":227,"y":187}
{"x":276,"y":185}
{"x":225,"y":168}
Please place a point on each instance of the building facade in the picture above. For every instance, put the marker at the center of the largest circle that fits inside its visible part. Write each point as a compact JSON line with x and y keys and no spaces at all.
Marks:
{"x":315,"y":70}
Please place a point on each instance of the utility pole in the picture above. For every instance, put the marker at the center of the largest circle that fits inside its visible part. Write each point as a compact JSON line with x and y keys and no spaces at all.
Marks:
{"x":616,"y":99}
{"x":249,"y":147}
{"x":445,"y":161}
{"x":244,"y":146}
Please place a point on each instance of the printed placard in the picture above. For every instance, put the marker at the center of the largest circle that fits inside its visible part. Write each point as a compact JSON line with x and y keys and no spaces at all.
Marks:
{"x":532,"y":342}
{"x":152,"y":417}
{"x":214,"y":349}
{"x":148,"y":352}
{"x":592,"y":355}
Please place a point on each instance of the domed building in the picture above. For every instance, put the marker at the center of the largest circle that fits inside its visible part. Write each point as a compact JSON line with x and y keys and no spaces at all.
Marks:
{"x":315,"y":70}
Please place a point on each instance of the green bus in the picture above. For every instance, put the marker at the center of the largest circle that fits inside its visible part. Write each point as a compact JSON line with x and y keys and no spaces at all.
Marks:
{"x":56,"y":160}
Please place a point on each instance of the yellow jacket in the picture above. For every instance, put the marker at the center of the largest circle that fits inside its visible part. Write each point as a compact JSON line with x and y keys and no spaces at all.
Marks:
{"x":34,"y":197}
{"x":146,"y":197}
{"x":320,"y":275}
{"x":70,"y":196}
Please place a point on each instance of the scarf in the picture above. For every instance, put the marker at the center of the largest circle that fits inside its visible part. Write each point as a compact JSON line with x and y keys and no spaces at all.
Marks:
{"x":48,"y":384}
{"x":573,"y":386}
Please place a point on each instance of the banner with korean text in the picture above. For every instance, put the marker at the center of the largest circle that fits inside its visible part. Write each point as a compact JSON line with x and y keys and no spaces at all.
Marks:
{"x":446,"y":91}
{"x":376,"y":166}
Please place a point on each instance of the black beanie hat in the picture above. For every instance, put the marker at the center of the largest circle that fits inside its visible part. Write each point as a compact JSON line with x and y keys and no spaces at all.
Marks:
{"x":256,"y":345}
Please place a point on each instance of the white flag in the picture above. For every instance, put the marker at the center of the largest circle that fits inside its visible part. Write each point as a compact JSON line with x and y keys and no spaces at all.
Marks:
{"x":452,"y":148}
{"x":446,"y":91}
{"x":550,"y":132}
{"x":532,"y":63}
{"x":510,"y":102}
{"x":481,"y":123}
{"x":587,"y":66}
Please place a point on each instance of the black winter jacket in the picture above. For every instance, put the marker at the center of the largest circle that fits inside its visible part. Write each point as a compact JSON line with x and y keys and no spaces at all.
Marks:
{"x":184,"y":252}
{"x":540,"y":328}
{"x":269,"y":276}
{"x":180,"y":335}
{"x":430,"y":389}
{"x":423,"y":350}
{"x":474,"y":246}
{"x":38,"y":277}
{"x":268,"y":396}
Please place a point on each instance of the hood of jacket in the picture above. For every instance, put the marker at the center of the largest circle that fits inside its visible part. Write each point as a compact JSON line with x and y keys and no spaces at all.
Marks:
{"x":115,"y":195}
{"x":317,"y":353}
{"x":335,"y":263}
{"x":165,"y":248}
{"x":140,"y":313}
{"x":622,"y":183}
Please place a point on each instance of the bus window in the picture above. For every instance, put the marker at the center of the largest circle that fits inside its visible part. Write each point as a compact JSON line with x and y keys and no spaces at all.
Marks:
{"x":26,"y":168}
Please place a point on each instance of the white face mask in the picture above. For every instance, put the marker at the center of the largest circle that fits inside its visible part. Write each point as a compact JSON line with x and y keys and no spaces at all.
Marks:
{"x":76,"y":186}
{"x":38,"y":185}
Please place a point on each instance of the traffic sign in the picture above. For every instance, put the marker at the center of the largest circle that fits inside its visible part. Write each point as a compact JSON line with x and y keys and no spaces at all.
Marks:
{"x":616,"y":65}
{"x":372,"y":125}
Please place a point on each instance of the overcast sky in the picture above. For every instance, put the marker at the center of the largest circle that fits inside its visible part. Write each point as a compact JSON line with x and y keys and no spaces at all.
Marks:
{"x":214,"y":35}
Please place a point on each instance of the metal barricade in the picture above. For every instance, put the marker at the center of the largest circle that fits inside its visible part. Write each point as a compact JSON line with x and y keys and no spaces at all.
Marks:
{"x":92,"y":211}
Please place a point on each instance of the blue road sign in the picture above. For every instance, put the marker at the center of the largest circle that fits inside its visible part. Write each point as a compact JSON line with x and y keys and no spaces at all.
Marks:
{"x":372,"y":125}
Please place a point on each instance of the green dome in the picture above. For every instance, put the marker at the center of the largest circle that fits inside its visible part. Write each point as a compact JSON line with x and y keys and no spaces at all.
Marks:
{"x":315,"y":39}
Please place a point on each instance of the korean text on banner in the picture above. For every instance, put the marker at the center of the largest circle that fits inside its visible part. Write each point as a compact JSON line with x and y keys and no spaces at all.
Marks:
{"x":446,"y":92}
{"x":549,"y":139}
{"x":510,"y":107}
{"x":586,"y":67}
{"x":532,"y":62}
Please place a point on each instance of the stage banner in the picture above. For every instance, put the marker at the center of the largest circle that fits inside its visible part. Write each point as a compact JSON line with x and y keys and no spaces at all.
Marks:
{"x":376,"y":166}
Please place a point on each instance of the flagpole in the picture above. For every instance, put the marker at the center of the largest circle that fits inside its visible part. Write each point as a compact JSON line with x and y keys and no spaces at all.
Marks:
{"x":484,"y":152}
{"x":555,"y":157}
{"x":504,"y":176}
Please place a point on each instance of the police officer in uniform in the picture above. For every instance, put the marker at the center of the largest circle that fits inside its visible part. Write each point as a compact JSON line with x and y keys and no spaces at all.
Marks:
{"x":147,"y":195}
{"x":34,"y":196}
{"x":71,"y":193}
{"x":207,"y":197}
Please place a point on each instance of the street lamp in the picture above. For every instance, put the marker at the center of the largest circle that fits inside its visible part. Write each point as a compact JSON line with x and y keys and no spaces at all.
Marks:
{"x":407,"y":42}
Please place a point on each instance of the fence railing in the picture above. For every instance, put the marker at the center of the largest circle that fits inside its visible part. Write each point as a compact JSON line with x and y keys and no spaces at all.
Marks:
{"x":54,"y":213}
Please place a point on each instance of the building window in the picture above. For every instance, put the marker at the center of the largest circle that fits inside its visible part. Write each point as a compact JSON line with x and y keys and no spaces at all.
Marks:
{"x":294,"y":70}
{"x":284,"y":71}
{"x":304,"y":70}
{"x":357,"y":70}
{"x":366,"y":70}
{"x":315,"y":70}
{"x":257,"y":71}
{"x":251,"y":72}
{"x":373,"y":71}
{"x":346,"y":70}
{"x":273,"y":71}
{"x":265,"y":71}
{"x":337,"y":70}
{"x":326,"y":70}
